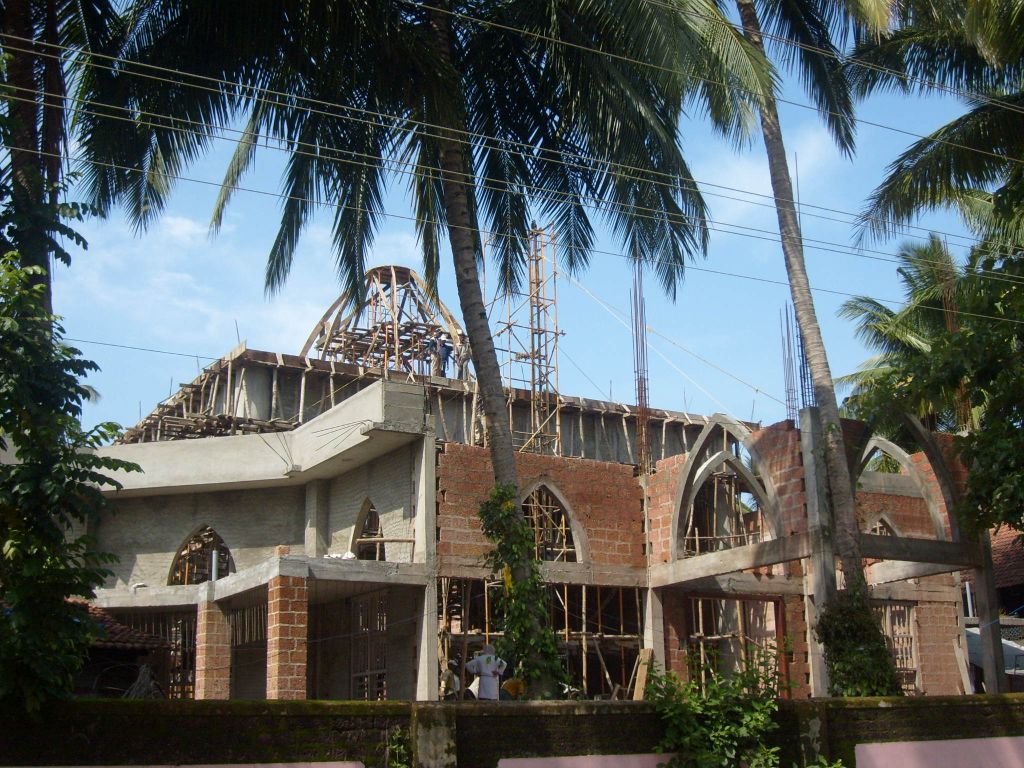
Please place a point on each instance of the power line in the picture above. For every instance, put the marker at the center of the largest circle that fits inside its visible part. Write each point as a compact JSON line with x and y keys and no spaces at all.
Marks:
{"x":585,"y":162}
{"x":140,"y":349}
{"x":595,"y":203}
{"x":616,"y":254}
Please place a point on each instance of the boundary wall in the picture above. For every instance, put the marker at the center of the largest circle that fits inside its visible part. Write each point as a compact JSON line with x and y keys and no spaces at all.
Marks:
{"x":472,"y":734}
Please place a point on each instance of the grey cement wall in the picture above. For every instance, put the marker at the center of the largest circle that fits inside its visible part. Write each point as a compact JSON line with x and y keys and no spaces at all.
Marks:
{"x":145,"y":533}
{"x":387,"y":482}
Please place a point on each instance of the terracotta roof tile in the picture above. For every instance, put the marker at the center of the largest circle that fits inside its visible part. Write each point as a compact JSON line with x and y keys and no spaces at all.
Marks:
{"x":1007,"y":557}
{"x":118,"y":635}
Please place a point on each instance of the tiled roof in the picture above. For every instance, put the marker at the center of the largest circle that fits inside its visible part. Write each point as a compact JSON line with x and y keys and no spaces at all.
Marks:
{"x":1007,"y":557}
{"x":117,"y":635}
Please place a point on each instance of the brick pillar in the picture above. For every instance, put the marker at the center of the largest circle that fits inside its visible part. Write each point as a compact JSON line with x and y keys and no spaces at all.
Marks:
{"x":213,"y":652}
{"x":287,"y":635}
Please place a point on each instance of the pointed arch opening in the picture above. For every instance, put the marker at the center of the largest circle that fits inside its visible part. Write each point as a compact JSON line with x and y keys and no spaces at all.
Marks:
{"x":369,"y":542}
{"x":882,"y":456}
{"x":553,"y":537}
{"x":202,"y":557}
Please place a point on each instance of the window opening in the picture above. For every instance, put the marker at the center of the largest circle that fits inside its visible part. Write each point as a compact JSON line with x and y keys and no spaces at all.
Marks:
{"x":370,"y":646}
{"x":370,"y":543}
{"x":728,"y":635}
{"x":203,"y":557}
{"x":552,"y":532}
{"x":899,"y":620}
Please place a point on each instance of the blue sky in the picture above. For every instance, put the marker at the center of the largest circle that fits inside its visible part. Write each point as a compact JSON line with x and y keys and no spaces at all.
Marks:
{"x":176,"y":289}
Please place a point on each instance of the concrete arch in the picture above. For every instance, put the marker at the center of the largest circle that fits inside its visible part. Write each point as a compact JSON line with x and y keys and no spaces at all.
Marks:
{"x":217,"y":542}
{"x":903,"y":458}
{"x":579,"y":535}
{"x":696,"y":474}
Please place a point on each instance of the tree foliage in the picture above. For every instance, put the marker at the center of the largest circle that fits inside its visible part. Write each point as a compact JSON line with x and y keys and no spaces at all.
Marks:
{"x":719,"y":720}
{"x":982,"y":359}
{"x":50,"y":486}
{"x":528,"y":641}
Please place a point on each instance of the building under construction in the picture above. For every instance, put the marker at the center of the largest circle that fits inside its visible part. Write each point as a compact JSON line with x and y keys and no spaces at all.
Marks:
{"x":305,"y":525}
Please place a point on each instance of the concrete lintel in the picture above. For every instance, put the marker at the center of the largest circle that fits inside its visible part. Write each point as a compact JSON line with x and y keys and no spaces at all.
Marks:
{"x":965,"y":554}
{"x":888,"y":483}
{"x":552,"y":573}
{"x":889,"y":571}
{"x":149,"y":597}
{"x":733,"y":560}
{"x":748,"y":584}
{"x":336,"y":569}
{"x":914,"y":592}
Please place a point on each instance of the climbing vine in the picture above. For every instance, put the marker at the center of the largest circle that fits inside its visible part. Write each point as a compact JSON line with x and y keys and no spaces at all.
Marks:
{"x":528,"y":642}
{"x":856,"y":656}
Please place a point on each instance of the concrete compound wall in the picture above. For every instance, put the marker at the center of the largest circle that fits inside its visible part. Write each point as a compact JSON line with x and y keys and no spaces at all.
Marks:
{"x":112,"y":732}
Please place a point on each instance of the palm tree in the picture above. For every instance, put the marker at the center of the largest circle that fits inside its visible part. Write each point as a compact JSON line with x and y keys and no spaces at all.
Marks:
{"x":809,"y":29}
{"x":35,"y":36}
{"x":496,"y":111}
{"x":934,"y":288}
{"x":972,"y":163}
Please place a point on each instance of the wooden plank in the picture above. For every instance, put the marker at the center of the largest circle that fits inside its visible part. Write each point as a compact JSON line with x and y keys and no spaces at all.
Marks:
{"x":919,"y":550}
{"x":643,"y":664}
{"x":966,"y":684}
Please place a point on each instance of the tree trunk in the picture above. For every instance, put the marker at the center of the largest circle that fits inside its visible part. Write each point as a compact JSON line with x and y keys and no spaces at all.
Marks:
{"x":461,"y":224}
{"x":840,"y":484}
{"x":27,"y":167}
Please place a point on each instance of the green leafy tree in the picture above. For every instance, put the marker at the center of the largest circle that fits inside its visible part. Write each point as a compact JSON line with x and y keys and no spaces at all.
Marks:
{"x":973,"y":162}
{"x":495,"y":112}
{"x":50,"y":486}
{"x":934,"y":287}
{"x":42,"y":41}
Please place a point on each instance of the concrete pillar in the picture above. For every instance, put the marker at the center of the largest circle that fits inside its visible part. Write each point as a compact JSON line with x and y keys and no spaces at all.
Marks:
{"x":317,"y":512}
{"x":427,"y":655}
{"x":287,"y":637}
{"x":820,"y":577}
{"x":213,"y":652}
{"x":992,"y":663}
{"x":425,"y":501}
{"x":654,"y":627}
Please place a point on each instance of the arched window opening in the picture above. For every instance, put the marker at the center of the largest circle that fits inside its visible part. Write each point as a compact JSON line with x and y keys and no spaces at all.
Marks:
{"x":370,"y":542}
{"x":725,"y":514}
{"x":203,"y":557}
{"x":552,"y":532}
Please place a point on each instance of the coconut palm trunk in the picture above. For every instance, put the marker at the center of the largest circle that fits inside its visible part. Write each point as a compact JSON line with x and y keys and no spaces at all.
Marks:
{"x":461,"y":226}
{"x":845,"y":535}
{"x":27,"y":165}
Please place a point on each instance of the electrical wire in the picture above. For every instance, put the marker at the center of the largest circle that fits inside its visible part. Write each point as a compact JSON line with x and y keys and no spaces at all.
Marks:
{"x":291,"y":100}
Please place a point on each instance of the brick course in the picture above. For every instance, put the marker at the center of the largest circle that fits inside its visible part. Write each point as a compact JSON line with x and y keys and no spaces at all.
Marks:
{"x":213,"y":653}
{"x":604,"y":498}
{"x":287,"y":637}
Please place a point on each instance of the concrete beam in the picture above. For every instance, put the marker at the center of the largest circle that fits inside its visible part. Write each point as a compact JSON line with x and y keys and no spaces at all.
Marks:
{"x":896,"y":570}
{"x":961,"y":554}
{"x":733,"y":560}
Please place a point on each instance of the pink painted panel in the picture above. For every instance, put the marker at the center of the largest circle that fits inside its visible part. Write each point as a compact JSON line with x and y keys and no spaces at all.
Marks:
{"x":586,"y":761}
{"x":328,"y":764}
{"x":997,"y":752}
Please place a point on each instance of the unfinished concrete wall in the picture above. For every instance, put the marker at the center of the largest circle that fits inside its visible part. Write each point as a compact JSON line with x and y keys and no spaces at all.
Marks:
{"x":605,"y":499}
{"x":389,"y":483}
{"x":145,"y":533}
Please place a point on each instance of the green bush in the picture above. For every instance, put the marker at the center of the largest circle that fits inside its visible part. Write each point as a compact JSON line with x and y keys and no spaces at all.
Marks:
{"x":856,"y":656}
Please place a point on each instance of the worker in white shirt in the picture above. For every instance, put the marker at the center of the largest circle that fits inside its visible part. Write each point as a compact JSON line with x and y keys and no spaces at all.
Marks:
{"x":487,"y":667}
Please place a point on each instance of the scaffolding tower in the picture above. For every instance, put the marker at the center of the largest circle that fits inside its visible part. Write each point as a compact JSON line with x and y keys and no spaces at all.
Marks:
{"x":528,"y":340}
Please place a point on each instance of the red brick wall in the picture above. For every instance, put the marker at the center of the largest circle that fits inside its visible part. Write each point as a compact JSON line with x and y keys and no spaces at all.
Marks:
{"x":673,"y":610}
{"x":779,"y":448}
{"x":908,"y":514}
{"x":795,"y":639}
{"x":604,"y":497}
{"x":213,"y":653}
{"x":937,"y":630}
{"x":287,"y":637}
{"x":662,"y":487}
